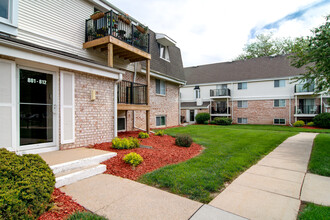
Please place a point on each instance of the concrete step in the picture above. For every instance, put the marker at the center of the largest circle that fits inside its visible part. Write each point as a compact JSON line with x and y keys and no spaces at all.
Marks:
{"x":74,"y":175}
{"x":81,"y":163}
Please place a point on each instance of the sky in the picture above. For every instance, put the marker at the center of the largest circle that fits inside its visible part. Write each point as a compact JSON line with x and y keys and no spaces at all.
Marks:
{"x":212,"y":31}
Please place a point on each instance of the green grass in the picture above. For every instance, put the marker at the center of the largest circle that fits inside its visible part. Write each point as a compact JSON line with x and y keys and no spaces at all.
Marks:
{"x":229,"y":151}
{"x":320,"y":158}
{"x":279,"y":128}
{"x":312,"y":212}
{"x":85,"y":216}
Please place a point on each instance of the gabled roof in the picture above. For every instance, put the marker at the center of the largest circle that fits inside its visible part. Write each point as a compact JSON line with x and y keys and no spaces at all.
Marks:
{"x":258,"y":68}
{"x":174,"y":68}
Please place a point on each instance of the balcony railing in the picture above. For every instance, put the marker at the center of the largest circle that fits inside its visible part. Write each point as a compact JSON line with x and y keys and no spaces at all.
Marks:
{"x":308,"y":109}
{"x":299,"y":88}
{"x":220,"y":110}
{"x":219,"y":92}
{"x":113,"y":24}
{"x":132,"y":93}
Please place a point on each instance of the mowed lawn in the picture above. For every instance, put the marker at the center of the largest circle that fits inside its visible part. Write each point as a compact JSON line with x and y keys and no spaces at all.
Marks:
{"x":320,"y":157}
{"x":229,"y":151}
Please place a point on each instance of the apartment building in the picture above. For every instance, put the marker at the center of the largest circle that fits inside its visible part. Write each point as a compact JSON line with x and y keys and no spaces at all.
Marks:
{"x":255,"y":91}
{"x":69,"y":80}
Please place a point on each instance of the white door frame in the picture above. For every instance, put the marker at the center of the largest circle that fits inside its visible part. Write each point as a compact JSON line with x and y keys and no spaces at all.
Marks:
{"x":43,"y":147}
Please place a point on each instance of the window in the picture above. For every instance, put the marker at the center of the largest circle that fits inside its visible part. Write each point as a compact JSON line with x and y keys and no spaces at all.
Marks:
{"x":279,"y":102}
{"x":4,"y":9}
{"x":279,"y":83}
{"x":9,"y":16}
{"x":164,"y":52}
{"x":161,"y":120}
{"x":242,"y":85}
{"x":121,"y":124}
{"x":242,"y":104}
{"x":197,"y":93}
{"x":242,"y":120}
{"x":160,"y":87}
{"x":279,"y":121}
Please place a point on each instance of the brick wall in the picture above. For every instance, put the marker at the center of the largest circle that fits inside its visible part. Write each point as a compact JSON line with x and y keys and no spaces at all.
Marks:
{"x":93,"y":119}
{"x":263,"y":112}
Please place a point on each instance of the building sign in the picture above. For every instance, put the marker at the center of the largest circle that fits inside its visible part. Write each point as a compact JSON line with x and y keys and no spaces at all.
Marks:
{"x":39,"y":81}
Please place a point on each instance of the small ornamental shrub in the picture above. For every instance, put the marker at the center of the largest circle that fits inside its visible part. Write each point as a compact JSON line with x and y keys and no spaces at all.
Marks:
{"x":143,"y":135}
{"x":160,"y":133}
{"x":299,"y":124}
{"x":322,"y":120}
{"x":85,"y":216}
{"x":202,"y":117}
{"x":206,"y":122}
{"x":223,"y":121}
{"x":26,"y":186}
{"x":125,"y":143}
{"x":212,"y":122}
{"x":311,"y":124}
{"x":183,"y":140}
{"x":133,"y":158}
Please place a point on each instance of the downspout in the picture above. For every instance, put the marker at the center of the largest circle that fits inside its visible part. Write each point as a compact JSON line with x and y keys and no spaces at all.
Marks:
{"x":115,"y":104}
{"x":232,"y":102}
{"x":134,"y":78}
{"x":290,"y":107}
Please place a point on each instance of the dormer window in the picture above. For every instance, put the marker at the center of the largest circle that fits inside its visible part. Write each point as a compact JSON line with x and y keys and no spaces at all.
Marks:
{"x":164,"y":52}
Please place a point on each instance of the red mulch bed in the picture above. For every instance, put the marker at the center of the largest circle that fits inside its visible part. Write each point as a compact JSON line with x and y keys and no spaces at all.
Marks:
{"x":63,"y":207}
{"x":163,"y":152}
{"x":309,"y":127}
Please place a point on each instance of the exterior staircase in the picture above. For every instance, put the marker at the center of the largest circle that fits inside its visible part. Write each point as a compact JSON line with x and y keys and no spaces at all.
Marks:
{"x":70,"y":166}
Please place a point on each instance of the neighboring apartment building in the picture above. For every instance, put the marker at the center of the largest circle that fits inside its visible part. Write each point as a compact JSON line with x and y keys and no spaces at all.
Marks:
{"x":69,"y":81}
{"x":255,"y":91}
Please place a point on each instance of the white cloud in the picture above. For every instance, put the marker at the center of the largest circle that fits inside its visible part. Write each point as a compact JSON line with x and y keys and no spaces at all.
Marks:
{"x":212,"y":31}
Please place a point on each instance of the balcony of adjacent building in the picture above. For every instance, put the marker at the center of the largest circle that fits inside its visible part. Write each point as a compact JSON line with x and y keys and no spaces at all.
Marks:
{"x":116,"y":34}
{"x":220,"y":93}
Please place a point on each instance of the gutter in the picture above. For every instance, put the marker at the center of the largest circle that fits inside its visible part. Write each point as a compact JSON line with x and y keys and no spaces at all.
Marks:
{"x":120,"y":78}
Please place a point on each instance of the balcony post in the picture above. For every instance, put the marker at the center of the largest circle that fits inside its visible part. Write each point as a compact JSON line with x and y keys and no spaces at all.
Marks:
{"x":111,"y":20}
{"x":148,"y":95}
{"x":110,"y":54}
{"x":132,"y":93}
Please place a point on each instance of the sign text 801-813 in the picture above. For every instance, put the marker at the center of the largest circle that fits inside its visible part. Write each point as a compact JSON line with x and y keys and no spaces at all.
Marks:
{"x":40,"y":81}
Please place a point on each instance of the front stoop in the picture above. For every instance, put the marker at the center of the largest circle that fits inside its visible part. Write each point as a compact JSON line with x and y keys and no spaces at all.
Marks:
{"x":73,"y":171}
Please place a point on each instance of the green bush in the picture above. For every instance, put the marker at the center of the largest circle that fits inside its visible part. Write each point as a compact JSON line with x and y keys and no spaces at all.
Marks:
{"x":160,"y":133}
{"x":125,"y":143}
{"x":133,"y":159}
{"x":206,"y":122}
{"x":85,"y":216}
{"x":26,"y":186}
{"x":299,"y":124}
{"x":212,"y":122}
{"x":202,"y":117}
{"x":322,"y":120}
{"x":223,"y":121}
{"x":143,"y":135}
{"x":183,"y":140}
{"x":311,"y":124}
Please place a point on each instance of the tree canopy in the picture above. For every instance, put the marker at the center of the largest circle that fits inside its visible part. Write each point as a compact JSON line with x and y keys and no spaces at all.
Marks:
{"x":313,"y":53}
{"x":265,"y":45}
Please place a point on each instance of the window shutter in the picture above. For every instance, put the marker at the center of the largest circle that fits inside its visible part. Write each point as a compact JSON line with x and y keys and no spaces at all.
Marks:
{"x":7,"y":104}
{"x":67,"y":108}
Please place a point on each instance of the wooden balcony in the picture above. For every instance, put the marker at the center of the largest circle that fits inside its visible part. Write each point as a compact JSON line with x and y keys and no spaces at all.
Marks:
{"x":118,"y":37}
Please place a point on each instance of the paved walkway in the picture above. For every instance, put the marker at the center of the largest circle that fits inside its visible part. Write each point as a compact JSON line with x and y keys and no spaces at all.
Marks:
{"x":272,"y":188}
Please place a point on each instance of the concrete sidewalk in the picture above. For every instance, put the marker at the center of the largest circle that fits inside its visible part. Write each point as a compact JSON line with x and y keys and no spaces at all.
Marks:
{"x":271,"y":189}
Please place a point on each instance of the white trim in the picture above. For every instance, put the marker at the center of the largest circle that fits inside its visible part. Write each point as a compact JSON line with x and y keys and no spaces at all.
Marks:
{"x":165,"y":77}
{"x":9,"y":25}
{"x":45,"y":57}
{"x":38,"y":147}
{"x":69,"y":141}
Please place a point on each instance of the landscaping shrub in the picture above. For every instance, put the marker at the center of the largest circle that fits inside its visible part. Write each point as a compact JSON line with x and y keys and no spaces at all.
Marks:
{"x":212,"y":122}
{"x":311,"y":124}
{"x":143,"y":135}
{"x":299,"y":124}
{"x":206,"y":122}
{"x":133,"y":159}
{"x":202,"y":117}
{"x":26,"y":186}
{"x":223,"y":121}
{"x":160,"y":133}
{"x":85,"y":216}
{"x":183,"y":140}
{"x":322,"y":120}
{"x":125,"y":143}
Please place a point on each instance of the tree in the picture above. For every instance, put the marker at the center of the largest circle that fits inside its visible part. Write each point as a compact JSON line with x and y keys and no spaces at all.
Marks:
{"x":313,"y":53}
{"x":266,"y":46}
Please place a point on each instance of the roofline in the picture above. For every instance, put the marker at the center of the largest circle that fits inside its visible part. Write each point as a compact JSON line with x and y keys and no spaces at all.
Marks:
{"x":238,"y":81}
{"x":166,"y":77}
